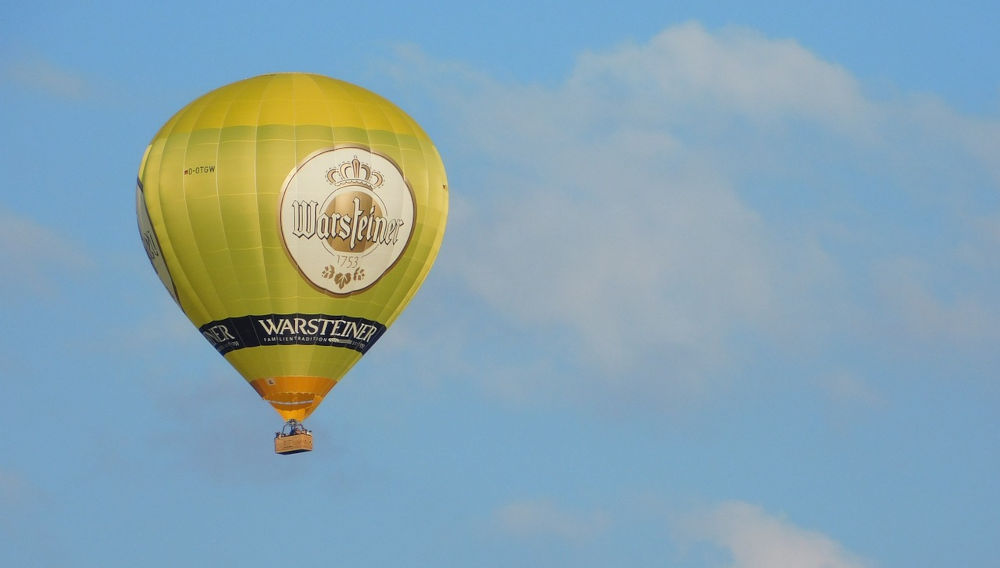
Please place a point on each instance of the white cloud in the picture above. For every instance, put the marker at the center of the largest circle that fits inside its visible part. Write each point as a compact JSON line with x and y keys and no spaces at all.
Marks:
{"x":735,"y":70}
{"x":612,"y":217}
{"x":755,"y":539}
{"x":670,"y":196}
{"x":544,"y":519}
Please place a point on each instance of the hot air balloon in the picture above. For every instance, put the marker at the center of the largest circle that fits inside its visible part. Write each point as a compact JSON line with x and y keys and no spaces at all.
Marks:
{"x":292,"y":217}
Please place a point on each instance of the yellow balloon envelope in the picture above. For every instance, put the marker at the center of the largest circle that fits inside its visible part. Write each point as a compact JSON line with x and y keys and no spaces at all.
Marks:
{"x":292,"y":217}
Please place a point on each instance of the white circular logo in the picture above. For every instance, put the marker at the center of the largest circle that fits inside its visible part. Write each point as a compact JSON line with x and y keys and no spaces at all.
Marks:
{"x":346,"y":216}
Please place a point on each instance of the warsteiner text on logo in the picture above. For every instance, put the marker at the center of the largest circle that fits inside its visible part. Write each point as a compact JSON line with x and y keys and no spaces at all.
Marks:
{"x":346,"y":215}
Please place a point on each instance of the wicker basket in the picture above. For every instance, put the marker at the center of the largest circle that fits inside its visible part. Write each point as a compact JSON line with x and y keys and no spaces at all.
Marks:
{"x":293,"y":444}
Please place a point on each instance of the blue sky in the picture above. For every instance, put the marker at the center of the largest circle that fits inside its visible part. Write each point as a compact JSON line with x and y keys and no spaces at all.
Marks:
{"x":718,"y":289}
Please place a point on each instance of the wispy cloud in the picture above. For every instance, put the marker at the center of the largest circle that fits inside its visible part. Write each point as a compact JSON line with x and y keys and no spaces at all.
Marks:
{"x":28,"y":509}
{"x":673,"y":196}
{"x":755,"y":539}
{"x":850,"y":389}
{"x":15,"y":490}
{"x":544,"y":519}
{"x":216,"y":425}
{"x":45,"y":77}
{"x":935,"y":307}
{"x":736,"y":70}
{"x":36,"y":259}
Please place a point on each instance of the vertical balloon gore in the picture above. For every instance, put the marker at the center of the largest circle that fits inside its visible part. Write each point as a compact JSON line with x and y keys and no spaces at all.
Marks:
{"x":291,"y":217}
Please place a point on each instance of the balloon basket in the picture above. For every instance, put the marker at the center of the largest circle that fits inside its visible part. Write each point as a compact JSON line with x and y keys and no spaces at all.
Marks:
{"x":293,"y":439}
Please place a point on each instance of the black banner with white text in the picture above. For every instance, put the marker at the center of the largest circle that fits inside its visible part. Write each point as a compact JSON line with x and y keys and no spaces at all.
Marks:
{"x":234,"y":333}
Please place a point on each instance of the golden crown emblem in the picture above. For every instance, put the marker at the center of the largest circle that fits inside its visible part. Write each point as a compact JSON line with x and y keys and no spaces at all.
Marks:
{"x":354,"y":172}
